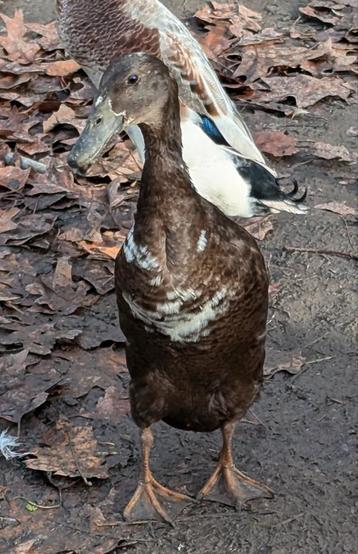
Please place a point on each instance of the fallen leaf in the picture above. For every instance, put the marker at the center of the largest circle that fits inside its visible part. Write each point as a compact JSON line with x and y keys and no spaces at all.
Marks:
{"x":6,"y":216}
{"x":235,"y":14}
{"x":276,"y":143}
{"x":327,"y":11}
{"x":64,"y":114}
{"x":38,"y":339}
{"x":97,"y":368}
{"x":260,"y":227}
{"x":16,"y":47}
{"x":276,"y":361}
{"x":105,"y":251}
{"x":338,"y":208}
{"x":306,"y":90}
{"x":49,"y":38}
{"x":30,"y":227}
{"x":332,"y":152}
{"x":62,"y":68}
{"x":13,"y":178}
{"x":25,"y":547}
{"x":215,"y":42}
{"x":112,"y":406}
{"x":12,"y":364}
{"x":22,"y":393}
{"x":75,"y":453}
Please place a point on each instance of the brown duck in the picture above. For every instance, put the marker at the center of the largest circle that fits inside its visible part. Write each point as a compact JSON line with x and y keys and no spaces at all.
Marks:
{"x":191,"y":285}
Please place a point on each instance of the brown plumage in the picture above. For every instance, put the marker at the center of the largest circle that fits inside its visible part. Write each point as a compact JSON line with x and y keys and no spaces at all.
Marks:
{"x":192,"y":286}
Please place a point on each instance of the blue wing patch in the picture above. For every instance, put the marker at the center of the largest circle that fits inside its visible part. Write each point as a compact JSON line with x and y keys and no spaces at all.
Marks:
{"x":210,"y":129}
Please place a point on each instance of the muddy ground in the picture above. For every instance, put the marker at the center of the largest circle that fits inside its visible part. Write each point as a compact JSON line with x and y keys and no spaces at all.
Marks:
{"x":305,"y":446}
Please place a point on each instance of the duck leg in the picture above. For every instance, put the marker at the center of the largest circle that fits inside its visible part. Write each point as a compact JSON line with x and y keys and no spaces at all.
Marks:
{"x":144,"y":502}
{"x":239,"y":487}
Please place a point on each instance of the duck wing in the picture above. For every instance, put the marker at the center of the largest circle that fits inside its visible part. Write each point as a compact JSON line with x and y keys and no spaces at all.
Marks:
{"x":115,"y":27}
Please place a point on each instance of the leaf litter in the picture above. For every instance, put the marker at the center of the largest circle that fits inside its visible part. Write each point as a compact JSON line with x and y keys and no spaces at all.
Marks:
{"x":61,"y":355}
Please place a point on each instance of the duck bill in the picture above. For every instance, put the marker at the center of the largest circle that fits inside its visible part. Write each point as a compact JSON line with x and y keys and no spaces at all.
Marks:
{"x":102,"y":124}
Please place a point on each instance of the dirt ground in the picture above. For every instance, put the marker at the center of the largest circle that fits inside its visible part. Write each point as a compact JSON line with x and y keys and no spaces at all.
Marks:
{"x":305,"y":443}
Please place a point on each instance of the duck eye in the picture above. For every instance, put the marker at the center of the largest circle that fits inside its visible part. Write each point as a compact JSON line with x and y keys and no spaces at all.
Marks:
{"x":132,"y":79}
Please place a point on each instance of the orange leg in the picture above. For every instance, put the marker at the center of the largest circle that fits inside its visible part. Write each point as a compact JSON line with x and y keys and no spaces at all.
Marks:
{"x":144,"y":503}
{"x":239,"y":486}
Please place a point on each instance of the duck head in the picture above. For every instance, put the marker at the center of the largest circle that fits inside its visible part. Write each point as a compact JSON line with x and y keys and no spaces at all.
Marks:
{"x":134,"y":90}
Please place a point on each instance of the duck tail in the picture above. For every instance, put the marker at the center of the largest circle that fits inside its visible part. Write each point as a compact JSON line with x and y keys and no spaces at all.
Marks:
{"x":288,"y":202}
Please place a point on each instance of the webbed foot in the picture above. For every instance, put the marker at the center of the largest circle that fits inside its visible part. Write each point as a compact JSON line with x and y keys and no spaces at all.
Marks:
{"x":145,"y":503}
{"x":229,"y":485}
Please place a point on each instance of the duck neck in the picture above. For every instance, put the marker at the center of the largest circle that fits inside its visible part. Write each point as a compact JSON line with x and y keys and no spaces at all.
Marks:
{"x":166,"y":187}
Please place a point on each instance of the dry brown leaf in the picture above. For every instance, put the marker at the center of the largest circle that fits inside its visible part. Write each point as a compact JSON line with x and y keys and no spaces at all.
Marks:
{"x":235,"y":14}
{"x":6,"y":216}
{"x":306,"y":90}
{"x":112,"y":406}
{"x":276,"y":143}
{"x":338,"y":208}
{"x":260,"y":227}
{"x":95,"y":249}
{"x":332,"y":152}
{"x":260,"y":60}
{"x":212,"y":12}
{"x":49,"y":38}
{"x":62,"y":276}
{"x":64,"y":114}
{"x":30,"y":227}
{"x":23,"y":392}
{"x":100,"y":367}
{"x":74,"y":453}
{"x":14,"y":364}
{"x":52,"y":298}
{"x":38,"y":339}
{"x":62,"y":68}
{"x":276,"y":361}
{"x":215,"y":42}
{"x":327,"y":11}
{"x":26,"y":547}
{"x":13,"y":178}
{"x":16,"y":47}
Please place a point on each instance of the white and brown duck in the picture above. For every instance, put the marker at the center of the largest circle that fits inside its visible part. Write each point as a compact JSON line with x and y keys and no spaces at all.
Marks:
{"x":191,"y":285}
{"x":224,"y":163}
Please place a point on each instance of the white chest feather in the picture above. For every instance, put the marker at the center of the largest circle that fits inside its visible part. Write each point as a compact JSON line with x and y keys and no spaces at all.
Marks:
{"x":138,"y":254}
{"x":182,"y":325}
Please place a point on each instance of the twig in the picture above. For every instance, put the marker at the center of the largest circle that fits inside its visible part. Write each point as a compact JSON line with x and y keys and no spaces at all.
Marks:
{"x":314,"y":341}
{"x":124,"y":523}
{"x":311,"y":362}
{"x":285,"y":521}
{"x":346,"y":255}
{"x":257,"y":422}
{"x":348,"y":233}
{"x":39,"y":506}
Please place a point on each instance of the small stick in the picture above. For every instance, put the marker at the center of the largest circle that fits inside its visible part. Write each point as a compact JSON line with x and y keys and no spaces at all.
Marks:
{"x":346,"y":255}
{"x":311,"y":362}
{"x":26,"y":163}
{"x":36,"y":505}
{"x":285,"y":521}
